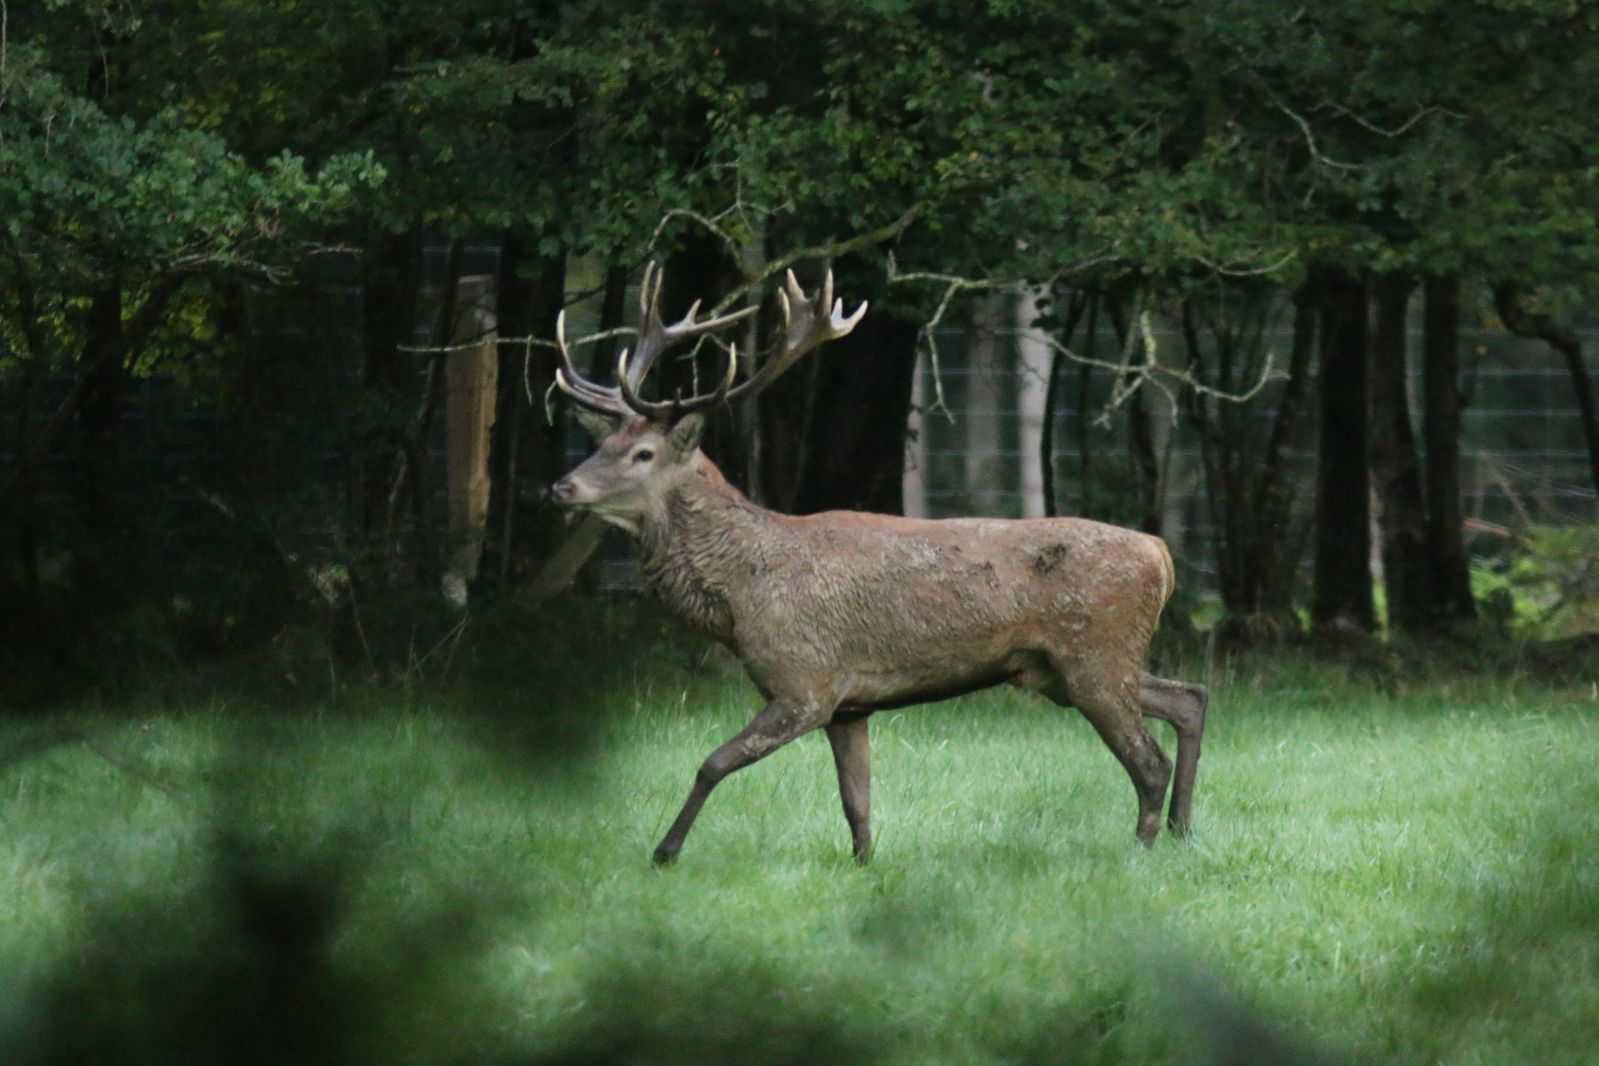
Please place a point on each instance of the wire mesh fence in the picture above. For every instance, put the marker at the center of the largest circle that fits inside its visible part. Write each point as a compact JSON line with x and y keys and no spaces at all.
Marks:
{"x":975,"y":448}
{"x":977,"y":439}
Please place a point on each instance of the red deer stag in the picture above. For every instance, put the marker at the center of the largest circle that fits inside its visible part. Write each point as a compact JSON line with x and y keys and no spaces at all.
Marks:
{"x":840,"y":614}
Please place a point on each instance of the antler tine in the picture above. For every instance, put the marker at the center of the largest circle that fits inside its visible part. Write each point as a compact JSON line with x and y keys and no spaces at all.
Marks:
{"x":594,"y":397}
{"x":560,"y":344}
{"x":807,"y":324}
{"x":677,"y":406}
{"x":624,"y":382}
{"x":649,"y":292}
{"x":655,"y":336}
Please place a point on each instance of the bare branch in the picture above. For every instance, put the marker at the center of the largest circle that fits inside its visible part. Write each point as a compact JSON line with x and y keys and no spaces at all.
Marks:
{"x":829,"y":250}
{"x":824,"y":250}
{"x":1310,"y":140}
{"x":313,"y":248}
{"x":707,"y":223}
{"x":1131,"y":372}
{"x":952,"y":286}
{"x":1239,"y":271}
{"x":1397,"y":131}
{"x":1169,"y":380}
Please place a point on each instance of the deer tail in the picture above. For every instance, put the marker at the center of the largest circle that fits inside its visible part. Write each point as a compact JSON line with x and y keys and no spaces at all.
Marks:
{"x":1168,"y":573}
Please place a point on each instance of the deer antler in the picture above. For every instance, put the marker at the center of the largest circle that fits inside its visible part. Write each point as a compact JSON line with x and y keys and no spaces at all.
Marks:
{"x":807,"y":323}
{"x":655,"y":337}
{"x":606,"y":401}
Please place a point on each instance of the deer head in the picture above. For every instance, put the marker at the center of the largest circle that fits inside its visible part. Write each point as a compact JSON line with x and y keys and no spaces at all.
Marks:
{"x":634,"y":470}
{"x":646,"y":448}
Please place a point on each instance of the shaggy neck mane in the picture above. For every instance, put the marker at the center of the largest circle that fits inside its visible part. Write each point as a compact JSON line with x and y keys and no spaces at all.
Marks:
{"x":704,"y":530}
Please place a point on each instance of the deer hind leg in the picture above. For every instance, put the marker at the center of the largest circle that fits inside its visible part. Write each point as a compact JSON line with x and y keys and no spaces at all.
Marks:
{"x":1183,"y":705}
{"x":1113,"y":710}
{"x":852,"y":754}
{"x":776,"y":725}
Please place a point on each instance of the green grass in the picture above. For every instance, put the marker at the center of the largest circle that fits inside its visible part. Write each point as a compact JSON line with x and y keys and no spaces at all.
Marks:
{"x":1390,"y":878}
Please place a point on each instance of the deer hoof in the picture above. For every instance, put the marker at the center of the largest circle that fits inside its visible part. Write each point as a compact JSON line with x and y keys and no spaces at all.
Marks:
{"x":664,"y":856}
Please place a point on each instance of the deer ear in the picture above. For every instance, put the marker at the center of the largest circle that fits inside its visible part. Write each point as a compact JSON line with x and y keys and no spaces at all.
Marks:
{"x":685,"y":436}
{"x":599,"y":426}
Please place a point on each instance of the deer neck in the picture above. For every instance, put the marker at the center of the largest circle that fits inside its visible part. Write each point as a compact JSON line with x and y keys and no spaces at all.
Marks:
{"x":698,"y":544}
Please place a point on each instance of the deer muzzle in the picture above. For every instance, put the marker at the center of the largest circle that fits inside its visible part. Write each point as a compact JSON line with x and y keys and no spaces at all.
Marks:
{"x":564,"y":492}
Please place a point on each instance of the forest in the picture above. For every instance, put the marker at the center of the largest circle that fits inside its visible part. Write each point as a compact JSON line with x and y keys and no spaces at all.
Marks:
{"x":327,"y":735}
{"x":279,"y":286}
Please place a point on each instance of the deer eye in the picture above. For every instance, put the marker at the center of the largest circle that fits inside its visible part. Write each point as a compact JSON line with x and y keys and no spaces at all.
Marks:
{"x":643,"y":455}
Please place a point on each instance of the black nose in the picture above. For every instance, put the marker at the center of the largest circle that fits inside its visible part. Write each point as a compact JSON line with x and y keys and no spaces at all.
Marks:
{"x":563,"y":490}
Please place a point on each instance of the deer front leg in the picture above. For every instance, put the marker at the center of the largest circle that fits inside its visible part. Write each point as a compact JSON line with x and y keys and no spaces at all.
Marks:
{"x":852,"y":754}
{"x":775,"y":726}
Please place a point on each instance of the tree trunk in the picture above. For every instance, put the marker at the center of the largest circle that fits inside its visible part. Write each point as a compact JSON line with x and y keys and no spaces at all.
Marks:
{"x":526,"y":444}
{"x":95,"y":363}
{"x":567,"y":547}
{"x":1086,"y":505}
{"x":1396,"y":466}
{"x":1146,"y":461}
{"x":1279,"y":546}
{"x":1248,"y":488}
{"x":1230,"y":511}
{"x":516,"y":366}
{"x":95,"y":575}
{"x":1141,"y":450}
{"x":1449,"y":585}
{"x":984,"y":469}
{"x":1343,"y":593}
{"x":1034,"y":359}
{"x":25,"y":613}
{"x":864,"y":388}
{"x":613,"y":315}
{"x":700,"y":270}
{"x":409,"y":479}
{"x":1046,"y":443}
{"x":915,"y":490}
{"x":389,"y":318}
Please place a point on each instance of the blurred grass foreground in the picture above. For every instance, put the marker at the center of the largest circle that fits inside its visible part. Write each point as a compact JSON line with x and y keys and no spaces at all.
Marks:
{"x":1377,"y":874}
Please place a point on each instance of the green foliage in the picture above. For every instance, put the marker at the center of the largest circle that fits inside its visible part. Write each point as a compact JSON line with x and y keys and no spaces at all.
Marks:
{"x":88,"y":196}
{"x":1182,"y":140}
{"x":1547,"y":585}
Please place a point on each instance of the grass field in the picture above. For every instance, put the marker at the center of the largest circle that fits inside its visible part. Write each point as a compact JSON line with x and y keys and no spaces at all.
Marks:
{"x":464,"y":878}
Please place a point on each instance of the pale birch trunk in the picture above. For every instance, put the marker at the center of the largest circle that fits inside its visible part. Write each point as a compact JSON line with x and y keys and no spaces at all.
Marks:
{"x":1032,"y":392}
{"x":915,"y":483}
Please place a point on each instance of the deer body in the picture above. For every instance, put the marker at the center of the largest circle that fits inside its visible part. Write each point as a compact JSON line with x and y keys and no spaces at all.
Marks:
{"x":876,"y":611}
{"x":841,"y":614}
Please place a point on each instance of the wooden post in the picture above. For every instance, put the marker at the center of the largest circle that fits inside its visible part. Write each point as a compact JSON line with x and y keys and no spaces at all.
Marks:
{"x":471,"y":382}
